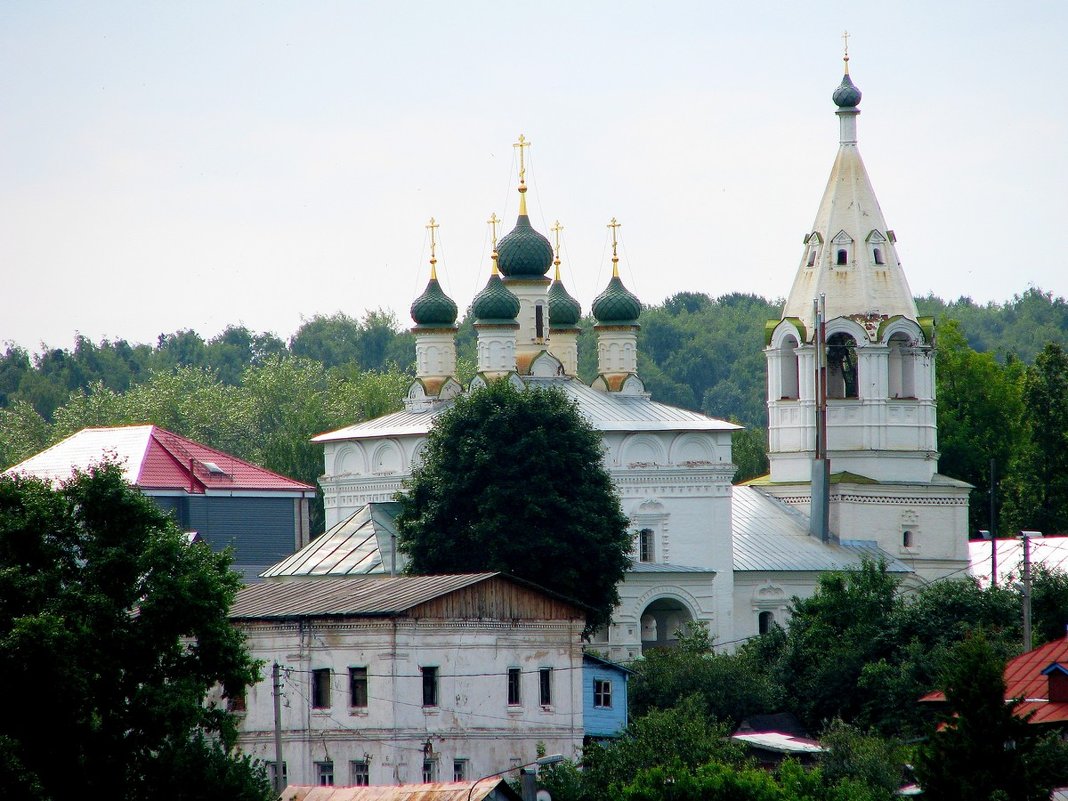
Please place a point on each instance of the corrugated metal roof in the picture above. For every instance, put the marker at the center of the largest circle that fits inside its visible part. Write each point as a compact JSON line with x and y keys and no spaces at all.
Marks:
{"x":153,"y":458}
{"x":606,"y":411}
{"x":1050,"y":552}
{"x":771,"y":535}
{"x":780,"y":743}
{"x":361,"y":544}
{"x":1024,"y":679}
{"x":360,"y":596}
{"x":660,"y":567}
{"x":491,"y":789}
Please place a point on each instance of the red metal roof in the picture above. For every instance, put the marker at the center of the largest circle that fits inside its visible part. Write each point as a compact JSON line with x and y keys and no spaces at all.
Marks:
{"x":1024,"y":680}
{"x":156,"y":459}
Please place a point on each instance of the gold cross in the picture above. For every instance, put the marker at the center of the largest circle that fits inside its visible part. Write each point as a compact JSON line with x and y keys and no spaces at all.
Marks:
{"x":615,"y":258}
{"x":432,"y":226}
{"x":522,"y":144}
{"x":845,"y":58}
{"x":493,"y":222}
{"x":556,"y":229}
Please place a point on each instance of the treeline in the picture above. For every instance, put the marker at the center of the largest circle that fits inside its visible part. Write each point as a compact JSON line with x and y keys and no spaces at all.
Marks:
{"x":1001,"y":382}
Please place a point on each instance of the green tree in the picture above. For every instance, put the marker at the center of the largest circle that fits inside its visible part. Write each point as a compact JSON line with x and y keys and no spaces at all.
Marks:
{"x":116,"y":630}
{"x":875,"y":762}
{"x":983,"y":750}
{"x":513,"y":480}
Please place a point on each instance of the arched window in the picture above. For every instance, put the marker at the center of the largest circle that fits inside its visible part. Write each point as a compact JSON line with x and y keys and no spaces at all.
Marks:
{"x":907,"y":539}
{"x":765,"y":620}
{"x":788,"y":389}
{"x":843,"y":256}
{"x":811,"y":256}
{"x":841,"y":366}
{"x":878,"y":254}
{"x":646,"y":545}
{"x":901,"y":368}
{"x":539,"y":321}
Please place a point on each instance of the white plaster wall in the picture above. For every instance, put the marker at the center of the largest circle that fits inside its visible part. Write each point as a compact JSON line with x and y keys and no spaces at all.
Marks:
{"x":472,"y":720}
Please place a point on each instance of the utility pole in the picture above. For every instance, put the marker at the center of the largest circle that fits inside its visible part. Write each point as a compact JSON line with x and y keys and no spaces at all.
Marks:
{"x":993,"y":529}
{"x":1026,"y":536}
{"x":276,"y":674}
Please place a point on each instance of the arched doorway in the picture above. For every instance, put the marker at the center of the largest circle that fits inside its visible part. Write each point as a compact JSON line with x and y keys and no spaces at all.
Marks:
{"x":660,"y":622}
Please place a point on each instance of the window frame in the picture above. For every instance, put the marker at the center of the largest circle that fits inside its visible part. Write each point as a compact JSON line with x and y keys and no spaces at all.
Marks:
{"x":602,"y":693}
{"x":545,"y":686}
{"x":323,"y":771}
{"x":358,"y":687}
{"x":514,"y":684}
{"x":321,"y":695}
{"x":430,"y":685}
{"x":459,"y":769}
{"x":360,"y":772}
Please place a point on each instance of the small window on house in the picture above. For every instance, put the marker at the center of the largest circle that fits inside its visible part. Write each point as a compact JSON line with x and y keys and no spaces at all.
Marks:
{"x":514,"y":679}
{"x":361,"y":773}
{"x":321,"y":688}
{"x":878,"y":254}
{"x":430,"y":686}
{"x":459,"y":770}
{"x":324,"y":774}
{"x":602,"y":693}
{"x":272,"y":772}
{"x":906,"y":538}
{"x":539,"y":321}
{"x":430,"y":771}
{"x":357,"y":687}
{"x":843,"y":255}
{"x":765,"y":620}
{"x":646,"y":545}
{"x":545,"y":684}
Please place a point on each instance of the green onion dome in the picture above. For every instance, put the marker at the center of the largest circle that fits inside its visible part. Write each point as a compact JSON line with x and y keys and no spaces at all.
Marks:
{"x":495,"y":303}
{"x":616,"y":306}
{"x":847,"y":95}
{"x":434,"y":308}
{"x":523,"y":252}
{"x":564,"y":310}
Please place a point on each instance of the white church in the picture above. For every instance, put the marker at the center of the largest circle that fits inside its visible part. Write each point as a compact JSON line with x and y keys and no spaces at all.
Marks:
{"x":850,"y":387}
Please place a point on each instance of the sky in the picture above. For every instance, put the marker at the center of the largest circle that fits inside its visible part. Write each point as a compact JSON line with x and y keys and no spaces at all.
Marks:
{"x":192,"y":165}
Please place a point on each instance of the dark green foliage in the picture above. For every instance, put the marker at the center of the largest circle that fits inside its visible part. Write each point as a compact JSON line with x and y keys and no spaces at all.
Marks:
{"x":1049,"y":604}
{"x":729,"y":687}
{"x":867,"y":759}
{"x":749,"y":449}
{"x":983,"y":751}
{"x":114,"y":629}
{"x":513,"y":480}
{"x":373,"y":343}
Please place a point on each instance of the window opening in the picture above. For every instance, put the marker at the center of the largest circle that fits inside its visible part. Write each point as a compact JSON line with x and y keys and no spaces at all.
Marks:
{"x":357,"y":687}
{"x":646,"y":546}
{"x":429,"y":770}
{"x":272,"y":771}
{"x":539,"y":321}
{"x":906,"y":538}
{"x":764,"y":622}
{"x":514,"y":680}
{"x":236,"y":702}
{"x":361,"y":773}
{"x":459,"y":770}
{"x":430,"y":686}
{"x":321,"y":688}
{"x":841,"y":366}
{"x":324,"y":773}
{"x":545,"y":682}
{"x":602,"y":693}
{"x":878,"y":256}
{"x":811,"y":257}
{"x":843,"y":255}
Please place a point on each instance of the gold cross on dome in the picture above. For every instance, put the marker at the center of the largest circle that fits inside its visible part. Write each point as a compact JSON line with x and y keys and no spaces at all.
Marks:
{"x":432,"y":226}
{"x":493,"y":224}
{"x":845,"y":47}
{"x":522,"y":144}
{"x":556,"y":229}
{"x":615,"y":258}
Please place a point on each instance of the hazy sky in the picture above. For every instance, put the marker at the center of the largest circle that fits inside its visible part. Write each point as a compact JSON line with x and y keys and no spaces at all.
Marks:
{"x":168,"y":165}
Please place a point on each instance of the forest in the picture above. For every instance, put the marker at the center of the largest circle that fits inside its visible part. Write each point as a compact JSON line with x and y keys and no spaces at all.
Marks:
{"x":1001,"y":369}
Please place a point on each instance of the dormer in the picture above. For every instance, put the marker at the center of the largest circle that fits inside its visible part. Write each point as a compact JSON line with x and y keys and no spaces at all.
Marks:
{"x":877,"y":248}
{"x":813,"y":246}
{"x":842,"y":250}
{"x":1057,"y":674}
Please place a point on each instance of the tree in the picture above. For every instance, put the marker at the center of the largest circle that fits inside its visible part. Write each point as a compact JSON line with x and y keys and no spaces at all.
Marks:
{"x":114,"y":629}
{"x":513,"y":480}
{"x":983,"y":750}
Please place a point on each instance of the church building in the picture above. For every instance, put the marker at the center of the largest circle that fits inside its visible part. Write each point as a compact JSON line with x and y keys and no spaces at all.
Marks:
{"x":850,"y":389}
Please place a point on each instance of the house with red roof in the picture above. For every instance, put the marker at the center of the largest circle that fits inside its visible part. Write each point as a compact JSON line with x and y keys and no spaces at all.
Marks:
{"x":1038,"y":679}
{"x":223,"y":500}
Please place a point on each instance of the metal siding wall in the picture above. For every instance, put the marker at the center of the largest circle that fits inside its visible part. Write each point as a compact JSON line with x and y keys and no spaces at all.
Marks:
{"x":260,"y":530}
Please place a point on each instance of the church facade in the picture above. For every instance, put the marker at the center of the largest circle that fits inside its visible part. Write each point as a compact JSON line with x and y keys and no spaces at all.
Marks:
{"x":859,"y":358}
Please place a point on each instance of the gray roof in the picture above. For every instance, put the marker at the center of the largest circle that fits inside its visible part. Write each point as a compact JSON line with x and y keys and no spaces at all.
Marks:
{"x":383,"y":596}
{"x":606,"y":411}
{"x":361,"y":544}
{"x":660,"y":567}
{"x":364,"y":596}
{"x":771,"y":535}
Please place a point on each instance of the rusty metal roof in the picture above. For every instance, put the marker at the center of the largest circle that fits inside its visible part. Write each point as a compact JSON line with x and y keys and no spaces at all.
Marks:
{"x":490,"y":789}
{"x":359,"y":596}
